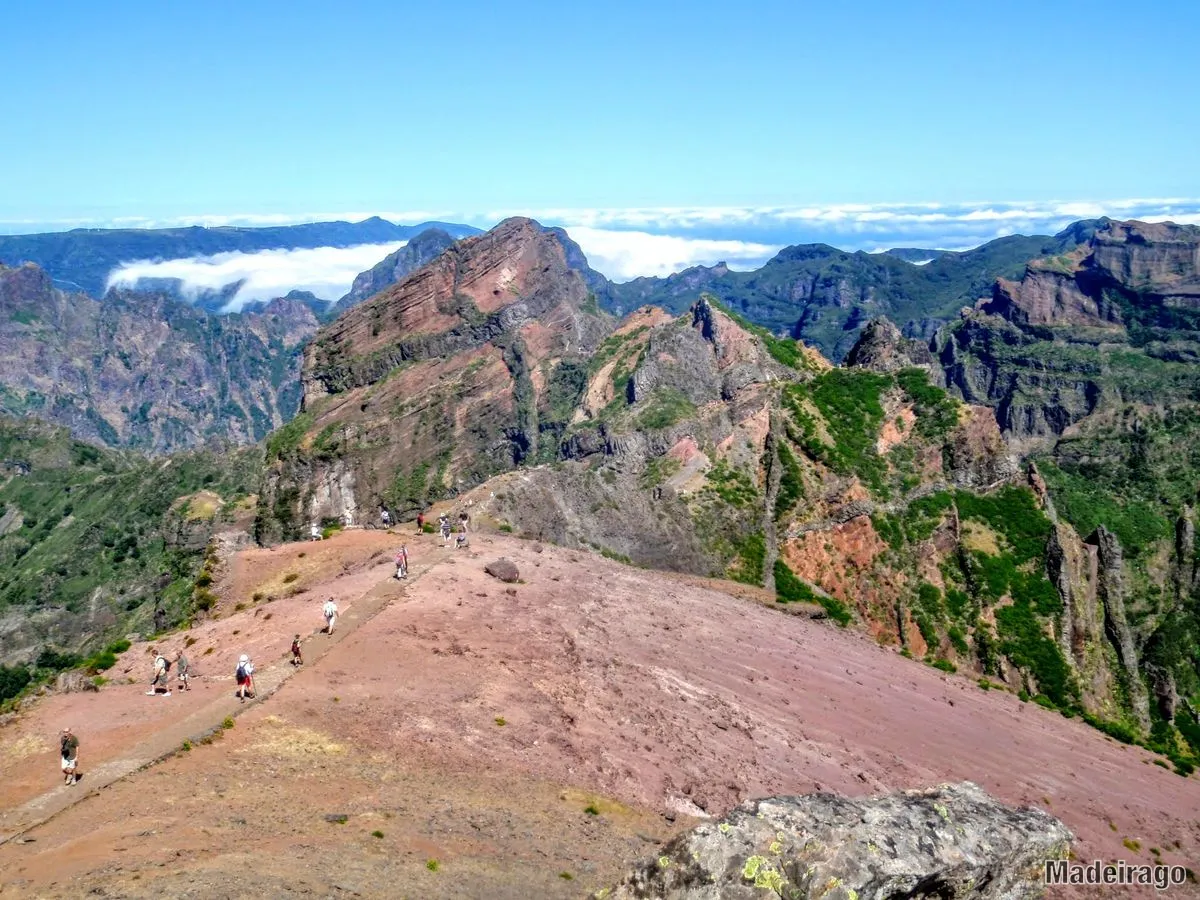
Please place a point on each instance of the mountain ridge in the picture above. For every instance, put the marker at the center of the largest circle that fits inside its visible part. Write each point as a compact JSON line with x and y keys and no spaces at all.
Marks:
{"x":823,"y":295}
{"x":83,"y":259}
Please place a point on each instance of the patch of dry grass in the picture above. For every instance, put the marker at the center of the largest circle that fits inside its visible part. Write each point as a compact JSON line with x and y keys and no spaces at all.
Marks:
{"x":977,"y":536}
{"x":277,"y":738}
{"x":203,"y":506}
{"x":24,"y":746}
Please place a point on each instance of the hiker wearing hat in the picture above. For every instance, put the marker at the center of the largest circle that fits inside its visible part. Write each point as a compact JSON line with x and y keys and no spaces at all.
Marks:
{"x":245,"y":678}
{"x":70,"y":756}
{"x":331,"y":613}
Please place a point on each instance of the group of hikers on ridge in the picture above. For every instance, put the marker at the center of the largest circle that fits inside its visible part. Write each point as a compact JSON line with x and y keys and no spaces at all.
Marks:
{"x":160,"y":682}
{"x":244,"y":674}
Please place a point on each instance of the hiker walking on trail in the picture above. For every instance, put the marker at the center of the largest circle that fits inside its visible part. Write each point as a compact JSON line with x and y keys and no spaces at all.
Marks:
{"x":70,"y":756}
{"x":420,"y":523}
{"x":386,"y":518}
{"x":183,"y":671}
{"x":444,"y":525}
{"x":297,"y":658}
{"x":245,"y":678}
{"x":461,"y":541}
{"x":161,"y":668}
{"x":331,"y":613}
{"x":314,"y":533}
{"x":402,"y":562}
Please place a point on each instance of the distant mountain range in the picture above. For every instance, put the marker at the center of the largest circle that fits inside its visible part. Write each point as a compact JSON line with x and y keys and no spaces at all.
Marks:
{"x":241,"y":376}
{"x":82,"y":259}
{"x":824,"y":296}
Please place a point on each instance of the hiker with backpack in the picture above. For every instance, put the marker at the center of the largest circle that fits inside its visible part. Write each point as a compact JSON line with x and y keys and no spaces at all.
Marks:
{"x":297,"y":658}
{"x":402,"y":562}
{"x":182,"y":671}
{"x":245,"y":678}
{"x":161,"y":667}
{"x":331,"y":612}
{"x":69,"y":746}
{"x":444,"y":525}
{"x":385,"y":517}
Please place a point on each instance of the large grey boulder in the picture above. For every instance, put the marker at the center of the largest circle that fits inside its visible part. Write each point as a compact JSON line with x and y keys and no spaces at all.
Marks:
{"x":504,"y":569}
{"x":952,"y":842}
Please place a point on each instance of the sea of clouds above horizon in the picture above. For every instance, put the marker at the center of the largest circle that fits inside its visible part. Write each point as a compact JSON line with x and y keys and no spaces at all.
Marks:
{"x":627,"y":243}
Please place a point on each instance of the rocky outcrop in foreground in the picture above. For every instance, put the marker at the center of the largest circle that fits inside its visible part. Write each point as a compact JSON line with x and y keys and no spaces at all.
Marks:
{"x":953,"y":841}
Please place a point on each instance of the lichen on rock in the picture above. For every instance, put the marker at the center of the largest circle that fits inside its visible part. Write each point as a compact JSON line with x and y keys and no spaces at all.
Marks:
{"x":953,"y":841}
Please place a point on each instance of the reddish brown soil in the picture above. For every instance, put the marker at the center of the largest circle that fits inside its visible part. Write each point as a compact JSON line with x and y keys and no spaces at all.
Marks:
{"x":634,"y":692}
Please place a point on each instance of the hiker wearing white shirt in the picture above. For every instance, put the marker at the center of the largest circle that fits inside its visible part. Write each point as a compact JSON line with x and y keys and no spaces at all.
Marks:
{"x":161,"y":667}
{"x":331,"y":613}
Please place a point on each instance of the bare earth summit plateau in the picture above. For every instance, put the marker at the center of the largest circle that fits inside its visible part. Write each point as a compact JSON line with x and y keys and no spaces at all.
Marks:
{"x":459,"y":737}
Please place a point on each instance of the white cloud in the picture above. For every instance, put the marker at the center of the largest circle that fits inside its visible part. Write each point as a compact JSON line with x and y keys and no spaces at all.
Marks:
{"x":326,"y":271}
{"x":624,"y":243}
{"x":622,"y":255}
{"x":854,"y":226}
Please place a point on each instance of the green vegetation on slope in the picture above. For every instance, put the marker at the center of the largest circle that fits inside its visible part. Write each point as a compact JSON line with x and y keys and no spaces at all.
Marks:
{"x":836,"y":419}
{"x":848,"y":402}
{"x":100,"y":529}
{"x":663,"y":408}
{"x":790,"y":589}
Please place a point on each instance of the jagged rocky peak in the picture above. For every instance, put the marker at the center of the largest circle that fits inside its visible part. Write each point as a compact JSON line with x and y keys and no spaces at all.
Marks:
{"x":706,"y":356}
{"x":952,"y":841}
{"x":420,"y":250}
{"x":474,"y":292}
{"x":881,"y":347}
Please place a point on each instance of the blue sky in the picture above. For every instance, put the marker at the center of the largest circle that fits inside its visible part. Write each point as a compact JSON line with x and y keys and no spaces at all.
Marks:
{"x":153,"y":113}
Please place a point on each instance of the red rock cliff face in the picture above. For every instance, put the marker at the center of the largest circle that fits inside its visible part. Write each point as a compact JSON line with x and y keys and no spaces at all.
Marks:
{"x":1139,"y":254}
{"x":1048,"y":296}
{"x":1158,"y":262}
{"x":476,"y":291}
{"x":464,"y":369}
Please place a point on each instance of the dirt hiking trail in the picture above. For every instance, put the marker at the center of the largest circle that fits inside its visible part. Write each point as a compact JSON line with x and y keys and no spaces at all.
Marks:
{"x":199,"y":719}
